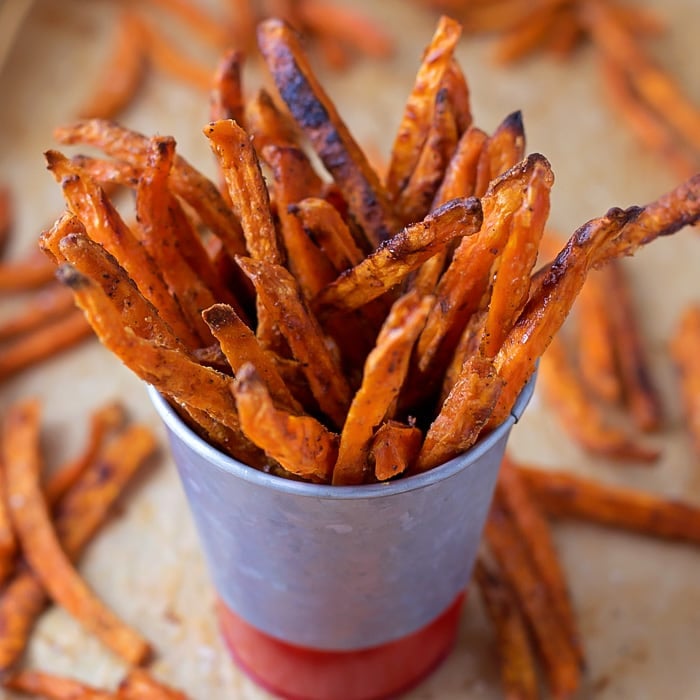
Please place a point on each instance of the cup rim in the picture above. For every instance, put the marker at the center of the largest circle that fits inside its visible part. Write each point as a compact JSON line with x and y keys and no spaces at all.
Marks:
{"x":328,"y":491}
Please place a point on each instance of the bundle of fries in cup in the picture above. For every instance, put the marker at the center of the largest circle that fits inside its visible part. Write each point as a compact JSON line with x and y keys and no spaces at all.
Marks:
{"x":335,"y":326}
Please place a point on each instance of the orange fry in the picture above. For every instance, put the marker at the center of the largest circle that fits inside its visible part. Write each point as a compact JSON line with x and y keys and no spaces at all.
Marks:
{"x":53,"y":687}
{"x":226,"y":100}
{"x":185,"y":180}
{"x":564,"y":495}
{"x":561,"y":664}
{"x":581,"y":417}
{"x":415,"y":123}
{"x":393,"y":449}
{"x":45,"y":305}
{"x":78,"y":515}
{"x":280,"y":294}
{"x":28,"y":273}
{"x":312,"y":109}
{"x":122,"y":74}
{"x":400,"y":255}
{"x":518,"y":665}
{"x":527,"y":35}
{"x":141,"y":685}
{"x":383,"y":375}
{"x":299,"y":443}
{"x":267,"y":124}
{"x":6,"y":217}
{"x":210,"y":29}
{"x":40,"y":543}
{"x":8,"y":539}
{"x":685,"y":350}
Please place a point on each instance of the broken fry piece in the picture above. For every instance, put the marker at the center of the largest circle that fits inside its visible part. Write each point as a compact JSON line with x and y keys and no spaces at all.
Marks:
{"x":393,"y":449}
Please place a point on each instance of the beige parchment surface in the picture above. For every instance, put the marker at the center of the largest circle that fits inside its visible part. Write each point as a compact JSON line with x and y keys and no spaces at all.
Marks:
{"x":638,"y":601}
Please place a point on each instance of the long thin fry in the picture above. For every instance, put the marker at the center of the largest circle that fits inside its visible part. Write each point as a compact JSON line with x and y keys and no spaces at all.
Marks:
{"x":504,"y":148}
{"x":299,"y":443}
{"x":52,"y":687}
{"x":267,"y":124}
{"x":6,"y":217}
{"x":122,"y":74}
{"x":41,"y":546}
{"x":28,"y":273}
{"x":8,"y":539}
{"x":78,"y":515}
{"x":383,"y":375}
{"x":211,"y":29}
{"x":47,"y":304}
{"x":400,"y":255}
{"x":141,"y":685}
{"x":367,"y":200}
{"x":565,"y":495}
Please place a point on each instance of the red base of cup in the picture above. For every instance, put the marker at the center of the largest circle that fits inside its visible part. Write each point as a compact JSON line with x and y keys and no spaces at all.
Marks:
{"x":301,"y":673}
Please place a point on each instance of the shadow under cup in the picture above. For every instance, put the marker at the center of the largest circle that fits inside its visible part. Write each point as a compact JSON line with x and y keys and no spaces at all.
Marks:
{"x":338,"y":592}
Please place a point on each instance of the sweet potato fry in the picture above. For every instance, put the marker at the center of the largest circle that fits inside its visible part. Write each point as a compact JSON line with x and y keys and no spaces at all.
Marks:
{"x":211,"y":29}
{"x":291,"y":182}
{"x":534,"y":530}
{"x":78,"y":515}
{"x":185,"y":180}
{"x":6,"y":217}
{"x":393,"y":449}
{"x":52,"y":687}
{"x":513,"y":269}
{"x":41,"y":546}
{"x":581,"y":417}
{"x":105,"y":226}
{"x":279,"y":292}
{"x":564,"y":495}
{"x":455,"y":82}
{"x":384,"y":374}
{"x":267,"y":124}
{"x":462,"y":415}
{"x":226,"y":100}
{"x":299,"y":443}
{"x":240,"y":346}
{"x":325,"y":227}
{"x":43,"y":343}
{"x":517,"y":658}
{"x":122,"y":74}
{"x":400,"y":255}
{"x":462,"y":286}
{"x":684,"y":346}
{"x":527,"y":35}
{"x":46,"y":305}
{"x":595,"y":350}
{"x":102,"y":422}
{"x":141,"y":685}
{"x":417,"y":117}
{"x":641,"y":396}
{"x":561,"y":664}
{"x":250,"y":198}
{"x":30,"y":272}
{"x":367,"y":200}
{"x":8,"y":540}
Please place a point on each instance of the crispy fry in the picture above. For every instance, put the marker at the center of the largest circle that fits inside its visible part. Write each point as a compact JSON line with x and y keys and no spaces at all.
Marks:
{"x":641,"y":396}
{"x":250,"y":198}
{"x":28,"y":273}
{"x":226,"y":100}
{"x":267,"y":124}
{"x":463,"y":413}
{"x":279,"y":292}
{"x":504,"y":148}
{"x":6,"y":217}
{"x":102,"y":422}
{"x":77,"y":517}
{"x":53,"y":687}
{"x":122,"y":74}
{"x":685,"y":350}
{"x":41,"y":546}
{"x":326,"y":228}
{"x":384,"y":374}
{"x":581,"y":417}
{"x":561,"y":665}
{"x":43,"y":343}
{"x":141,"y":685}
{"x":393,"y":449}
{"x":299,"y":443}
{"x":534,"y":530}
{"x":514,"y":267}
{"x":186,"y":181}
{"x":367,"y":200}
{"x":415,"y":122}
{"x":564,"y":495}
{"x":597,"y":360}
{"x":400,"y":255}
{"x":8,"y":539}
{"x":46,"y":305}
{"x":105,"y":226}
{"x":518,"y":671}
{"x":240,"y":346}
{"x":455,"y":82}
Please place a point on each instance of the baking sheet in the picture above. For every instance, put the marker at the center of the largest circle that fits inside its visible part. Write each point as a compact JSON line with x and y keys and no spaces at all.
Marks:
{"x":638,"y":601}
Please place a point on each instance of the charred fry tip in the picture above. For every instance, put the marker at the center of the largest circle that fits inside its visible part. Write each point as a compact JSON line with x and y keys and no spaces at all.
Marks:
{"x":217,"y":315}
{"x":514,"y":122}
{"x":68,"y":275}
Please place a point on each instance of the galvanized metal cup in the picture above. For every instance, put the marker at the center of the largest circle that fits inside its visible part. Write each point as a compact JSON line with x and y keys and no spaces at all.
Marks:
{"x":315,"y":579}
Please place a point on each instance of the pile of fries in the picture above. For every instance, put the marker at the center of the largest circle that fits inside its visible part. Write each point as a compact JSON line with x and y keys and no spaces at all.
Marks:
{"x":335,"y":327}
{"x":45,"y":524}
{"x":650,"y":101}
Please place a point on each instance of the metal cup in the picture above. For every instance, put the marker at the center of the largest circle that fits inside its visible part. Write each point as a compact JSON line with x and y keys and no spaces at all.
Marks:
{"x":337,"y":569}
